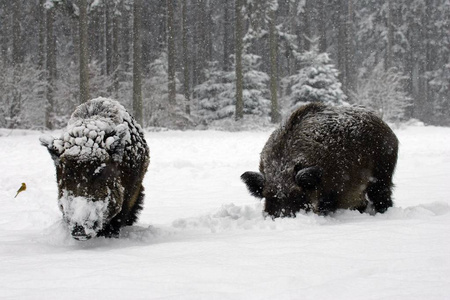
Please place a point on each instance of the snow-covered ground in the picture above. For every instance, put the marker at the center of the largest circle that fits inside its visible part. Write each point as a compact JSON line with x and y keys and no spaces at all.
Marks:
{"x":202,"y":236}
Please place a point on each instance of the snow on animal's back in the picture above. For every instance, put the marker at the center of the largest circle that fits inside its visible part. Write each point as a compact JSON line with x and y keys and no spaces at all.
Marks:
{"x":338,"y":124}
{"x":326,"y":130}
{"x":96,"y":127}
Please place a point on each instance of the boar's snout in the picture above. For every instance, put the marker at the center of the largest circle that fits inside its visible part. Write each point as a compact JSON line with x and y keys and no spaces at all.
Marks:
{"x":79,"y":233}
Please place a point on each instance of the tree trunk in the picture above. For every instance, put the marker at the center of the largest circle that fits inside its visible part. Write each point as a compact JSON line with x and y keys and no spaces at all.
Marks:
{"x":430,"y":59}
{"x":226,"y":37}
{"x":115,"y":56}
{"x":342,"y":44}
{"x":42,"y":30}
{"x":171,"y":52}
{"x":307,"y":34}
{"x":350,"y":50}
{"x":4,"y":31}
{"x":84,"y":53}
{"x":239,"y":48}
{"x":96,"y":28}
{"x":51,"y":68}
{"x":292,"y":64}
{"x":275,"y":114}
{"x":126,"y":41}
{"x":197,"y":47}
{"x":41,"y":59}
{"x":322,"y":24}
{"x":203,"y":41}
{"x":17,"y":51}
{"x":209,"y":25}
{"x":186,"y":59}
{"x":109,"y":48}
{"x":137,"y":63}
{"x":390,"y":36}
{"x":161,"y":37}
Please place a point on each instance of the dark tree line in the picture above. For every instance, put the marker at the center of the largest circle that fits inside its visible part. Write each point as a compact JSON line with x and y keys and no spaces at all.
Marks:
{"x":174,"y":62}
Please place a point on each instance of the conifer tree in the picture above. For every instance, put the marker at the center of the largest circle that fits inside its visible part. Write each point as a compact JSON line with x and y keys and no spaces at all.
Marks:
{"x":212,"y":103}
{"x":384,"y":92}
{"x":315,"y":81}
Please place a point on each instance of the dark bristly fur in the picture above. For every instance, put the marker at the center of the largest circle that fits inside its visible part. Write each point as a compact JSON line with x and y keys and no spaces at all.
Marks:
{"x":326,"y":158}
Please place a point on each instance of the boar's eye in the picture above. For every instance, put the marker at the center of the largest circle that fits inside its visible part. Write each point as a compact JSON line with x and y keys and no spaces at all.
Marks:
{"x":254,"y":182}
{"x":308,"y":178}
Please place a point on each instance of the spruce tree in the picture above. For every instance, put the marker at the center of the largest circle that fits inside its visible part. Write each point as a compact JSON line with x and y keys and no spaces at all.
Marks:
{"x":315,"y":81}
{"x":212,"y":105}
{"x":384,"y":92}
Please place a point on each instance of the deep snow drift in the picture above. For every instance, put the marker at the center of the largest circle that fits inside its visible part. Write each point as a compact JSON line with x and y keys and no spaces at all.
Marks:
{"x":202,"y":236}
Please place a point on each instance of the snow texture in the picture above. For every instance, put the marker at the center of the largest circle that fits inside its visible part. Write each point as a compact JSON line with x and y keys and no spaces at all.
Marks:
{"x":96,"y":129}
{"x":202,"y":236}
{"x":83,"y":211}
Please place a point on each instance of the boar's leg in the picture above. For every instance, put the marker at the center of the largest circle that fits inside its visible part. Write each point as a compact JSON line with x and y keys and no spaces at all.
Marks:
{"x":363,"y":207}
{"x":380,"y":186}
{"x":379,"y":192}
{"x":327,"y":203}
{"x":110,"y":230}
{"x":126,"y":217}
{"x":136,"y":209}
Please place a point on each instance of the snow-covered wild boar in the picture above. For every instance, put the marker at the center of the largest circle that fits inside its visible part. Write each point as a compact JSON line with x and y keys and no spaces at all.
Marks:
{"x":101,"y":159}
{"x":326,"y":158}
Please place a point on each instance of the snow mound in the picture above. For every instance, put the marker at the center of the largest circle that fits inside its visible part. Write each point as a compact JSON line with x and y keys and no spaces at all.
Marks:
{"x":232,"y":217}
{"x":57,"y":235}
{"x":423,"y":211}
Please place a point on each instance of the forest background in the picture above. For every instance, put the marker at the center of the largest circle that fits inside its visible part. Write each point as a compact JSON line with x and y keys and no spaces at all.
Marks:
{"x":195,"y":63}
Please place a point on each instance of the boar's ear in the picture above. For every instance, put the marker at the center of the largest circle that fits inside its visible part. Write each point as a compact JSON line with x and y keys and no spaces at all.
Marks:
{"x":254,"y":182}
{"x":309,"y":178}
{"x":48,"y":142}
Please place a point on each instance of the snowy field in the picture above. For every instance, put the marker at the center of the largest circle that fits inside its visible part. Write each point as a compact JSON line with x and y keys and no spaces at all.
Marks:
{"x":202,"y":236}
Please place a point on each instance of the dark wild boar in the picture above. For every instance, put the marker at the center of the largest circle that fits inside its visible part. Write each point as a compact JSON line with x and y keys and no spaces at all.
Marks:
{"x":326,"y":158}
{"x":101,"y":159}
